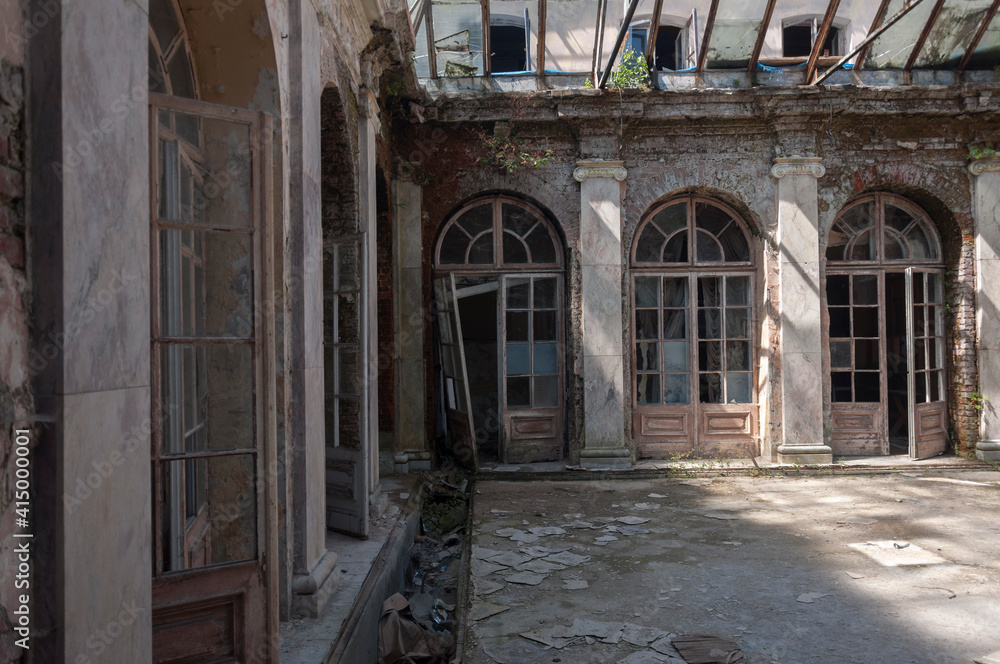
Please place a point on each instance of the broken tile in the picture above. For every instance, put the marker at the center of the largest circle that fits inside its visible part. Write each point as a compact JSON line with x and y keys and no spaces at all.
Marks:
{"x":656,"y":495}
{"x":481,"y":553}
{"x":703,"y":648}
{"x":605,"y":519}
{"x":540,"y":566}
{"x":547,"y":638}
{"x":517,"y":651}
{"x":638,"y":635}
{"x":704,"y":482}
{"x":508,"y":532}
{"x":580,"y":525}
{"x":542,"y":551}
{"x":607,"y":632}
{"x":542,"y":531}
{"x":808,"y":598}
{"x":568,"y":558}
{"x":526,"y":538}
{"x":645,"y":506}
{"x":575,"y":584}
{"x":508,"y":559}
{"x":664,"y":646}
{"x":632,"y":520}
{"x":483,"y":610}
{"x":485,"y":586}
{"x":526,"y":578}
{"x":483,"y":568}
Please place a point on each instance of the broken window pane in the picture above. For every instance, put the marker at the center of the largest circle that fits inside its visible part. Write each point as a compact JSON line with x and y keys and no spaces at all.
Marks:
{"x":892,"y":49}
{"x":840,"y":354}
{"x":865,"y":289}
{"x":734,"y":34}
{"x":867,"y":386}
{"x":517,"y":325}
{"x":952,"y":33}
{"x":675,"y":389}
{"x":987,"y":53}
{"x":841,"y":386}
{"x":544,"y":325}
{"x":710,"y":356}
{"x":545,"y":293}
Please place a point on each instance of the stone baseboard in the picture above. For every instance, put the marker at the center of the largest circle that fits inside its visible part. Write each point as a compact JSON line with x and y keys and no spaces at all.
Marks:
{"x":614,"y":458}
{"x":312,"y":591}
{"x":805,"y":455}
{"x":988,"y":450}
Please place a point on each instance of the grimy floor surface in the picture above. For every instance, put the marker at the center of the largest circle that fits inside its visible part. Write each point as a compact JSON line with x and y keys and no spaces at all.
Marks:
{"x":868,"y":569}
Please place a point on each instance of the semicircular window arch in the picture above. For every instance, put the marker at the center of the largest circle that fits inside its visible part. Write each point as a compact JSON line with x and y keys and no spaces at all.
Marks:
{"x":883,"y":228}
{"x":498,"y":233}
{"x":691,"y":230}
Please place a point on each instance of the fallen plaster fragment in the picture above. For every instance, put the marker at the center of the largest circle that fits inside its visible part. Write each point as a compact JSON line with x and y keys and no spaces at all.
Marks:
{"x":575,"y":584}
{"x":696,"y":482}
{"x":542,"y":551}
{"x":858,"y":520}
{"x":642,"y":657}
{"x":855,"y":575}
{"x":509,"y":559}
{"x":605,"y":519}
{"x":526,"y":578}
{"x":485,"y":586}
{"x":632,"y":520}
{"x":508,"y":532}
{"x":656,"y":495}
{"x":481,"y":611}
{"x":505,"y":469}
{"x":517,"y":651}
{"x":603,"y":541}
{"x":542,"y":531}
{"x":580,"y":525}
{"x":540,"y":567}
{"x":807,"y":598}
{"x":628,"y":531}
{"x":992,"y":658}
{"x":721,"y":515}
{"x":645,"y":506}
{"x":606,"y":632}
{"x":638,"y":635}
{"x":568,"y":558}
{"x":480,"y":553}
{"x":665,"y":647}
{"x":546,"y":638}
{"x":482,"y":568}
{"x":704,"y":649}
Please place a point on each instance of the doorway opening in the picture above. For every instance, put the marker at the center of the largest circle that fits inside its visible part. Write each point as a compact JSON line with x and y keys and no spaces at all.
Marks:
{"x":478,"y":305}
{"x":896,"y":351}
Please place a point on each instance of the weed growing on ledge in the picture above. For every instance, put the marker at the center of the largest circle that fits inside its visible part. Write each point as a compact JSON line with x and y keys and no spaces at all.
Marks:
{"x":632,"y":71}
{"x":508,"y":151}
{"x":977,"y":152}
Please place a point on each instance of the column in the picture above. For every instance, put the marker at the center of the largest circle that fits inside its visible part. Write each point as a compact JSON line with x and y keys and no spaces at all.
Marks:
{"x":986,"y":208}
{"x":314,"y":567}
{"x":801,"y":358}
{"x":411,"y":451}
{"x":368,"y":131}
{"x":601,"y":271}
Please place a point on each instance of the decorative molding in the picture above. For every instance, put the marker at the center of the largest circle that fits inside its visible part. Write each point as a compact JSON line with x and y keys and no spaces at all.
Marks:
{"x":369,"y":108}
{"x":797,"y":166}
{"x":985,"y":165}
{"x":600,"y":169}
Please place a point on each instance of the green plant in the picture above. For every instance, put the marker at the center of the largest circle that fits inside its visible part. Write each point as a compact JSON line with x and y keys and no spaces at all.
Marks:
{"x":588,"y":84}
{"x":977,"y":152}
{"x":978,"y":400}
{"x":632,"y":71}
{"x":508,"y":151}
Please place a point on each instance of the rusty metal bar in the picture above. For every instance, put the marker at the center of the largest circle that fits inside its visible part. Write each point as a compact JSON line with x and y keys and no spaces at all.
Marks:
{"x":618,"y":42}
{"x":922,"y":39}
{"x":761,"y":34}
{"x":990,"y":13}
{"x":654,"y":30}
{"x":487,"y":54}
{"x":876,"y":22}
{"x":867,"y":41}
{"x":602,"y":10}
{"x":431,"y":52}
{"x":541,"y":38}
{"x":831,"y":11}
{"x":703,"y":55}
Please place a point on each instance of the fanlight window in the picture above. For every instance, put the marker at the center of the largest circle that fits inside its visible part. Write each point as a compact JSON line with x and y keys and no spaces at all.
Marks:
{"x":882,"y":228}
{"x":501,"y":232}
{"x":691,"y":227}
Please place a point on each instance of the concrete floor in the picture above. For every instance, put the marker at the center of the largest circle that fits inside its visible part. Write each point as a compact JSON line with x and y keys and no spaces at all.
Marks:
{"x":863,"y":568}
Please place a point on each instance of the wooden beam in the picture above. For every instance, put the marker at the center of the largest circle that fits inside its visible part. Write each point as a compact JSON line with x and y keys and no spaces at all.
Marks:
{"x":602,"y":10}
{"x":541,"y":38}
{"x":431,"y":51}
{"x":629,"y":13}
{"x":922,"y":39}
{"x":487,"y":66}
{"x":876,"y":23}
{"x":990,"y":13}
{"x":831,"y":11}
{"x":709,"y":25}
{"x":868,"y":40}
{"x":761,"y":34}
{"x":654,"y":31}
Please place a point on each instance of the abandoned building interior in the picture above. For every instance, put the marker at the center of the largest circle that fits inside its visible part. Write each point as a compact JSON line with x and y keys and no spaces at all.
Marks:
{"x":256,"y":256}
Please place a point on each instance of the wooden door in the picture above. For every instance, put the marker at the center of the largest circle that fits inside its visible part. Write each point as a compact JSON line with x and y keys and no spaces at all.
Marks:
{"x":214,"y":585}
{"x":857,"y":364}
{"x":458,"y":405}
{"x":532,"y":368}
{"x":928,"y":408}
{"x":347,"y":463}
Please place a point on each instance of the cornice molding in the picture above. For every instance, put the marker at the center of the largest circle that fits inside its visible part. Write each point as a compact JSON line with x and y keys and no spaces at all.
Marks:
{"x":797,"y":166}
{"x":600,"y":169}
{"x":985,"y":165}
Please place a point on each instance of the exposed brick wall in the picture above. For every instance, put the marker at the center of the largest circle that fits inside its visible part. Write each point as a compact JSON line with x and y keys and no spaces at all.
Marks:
{"x":15,"y":388}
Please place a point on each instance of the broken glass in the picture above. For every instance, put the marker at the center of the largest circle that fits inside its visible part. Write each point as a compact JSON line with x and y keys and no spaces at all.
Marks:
{"x":952,"y":34}
{"x":892,"y":49}
{"x":734,"y":34}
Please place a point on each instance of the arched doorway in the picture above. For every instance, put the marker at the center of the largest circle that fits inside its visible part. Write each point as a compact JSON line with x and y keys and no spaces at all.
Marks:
{"x":212,"y":386}
{"x":499,"y":292}
{"x":693,"y":330}
{"x":885,"y":333}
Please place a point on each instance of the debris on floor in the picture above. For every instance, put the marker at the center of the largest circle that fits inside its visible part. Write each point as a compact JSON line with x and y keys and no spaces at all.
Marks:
{"x":402,"y":639}
{"x":704,"y":649}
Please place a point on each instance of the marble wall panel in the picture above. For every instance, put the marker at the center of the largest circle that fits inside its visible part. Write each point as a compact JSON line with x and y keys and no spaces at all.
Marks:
{"x":600,"y":221}
{"x":800,"y":308}
{"x":604,"y":402}
{"x":312,"y":513}
{"x":409,"y":233}
{"x":411,"y":404}
{"x":602,"y":310}
{"x":802,"y":407}
{"x":798,"y":233}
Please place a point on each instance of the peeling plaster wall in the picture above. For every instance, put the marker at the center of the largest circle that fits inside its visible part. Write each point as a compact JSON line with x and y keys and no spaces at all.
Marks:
{"x":722,"y":144}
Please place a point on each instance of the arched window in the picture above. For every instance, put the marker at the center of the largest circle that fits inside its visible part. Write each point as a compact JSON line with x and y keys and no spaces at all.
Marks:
{"x":499,"y":293}
{"x":496,"y":234}
{"x":885,"y":334}
{"x":693,"y":328}
{"x":170,"y":63}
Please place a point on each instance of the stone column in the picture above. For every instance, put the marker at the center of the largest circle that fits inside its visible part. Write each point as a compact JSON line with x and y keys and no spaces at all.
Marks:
{"x":800,"y":303}
{"x":314,"y":578}
{"x":411,"y":451}
{"x":601,"y":270}
{"x":986,"y":208}
{"x":368,"y":131}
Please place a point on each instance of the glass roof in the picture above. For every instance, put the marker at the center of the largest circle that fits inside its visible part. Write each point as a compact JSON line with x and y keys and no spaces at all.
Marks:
{"x":816,"y":37}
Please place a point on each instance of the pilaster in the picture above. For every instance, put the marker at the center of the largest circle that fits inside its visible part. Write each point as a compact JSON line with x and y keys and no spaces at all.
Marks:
{"x":986,"y":208}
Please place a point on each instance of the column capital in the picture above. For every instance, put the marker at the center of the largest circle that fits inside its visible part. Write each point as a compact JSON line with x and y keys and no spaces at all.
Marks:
{"x":600,"y":169}
{"x":797,"y":166}
{"x":369,"y":108}
{"x":984,"y":165}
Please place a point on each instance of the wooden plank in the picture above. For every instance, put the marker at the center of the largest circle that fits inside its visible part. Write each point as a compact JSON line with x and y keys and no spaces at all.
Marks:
{"x":990,"y":13}
{"x":654,"y":31}
{"x":709,"y":25}
{"x":487,"y":65}
{"x":831,"y":11}
{"x":431,"y":52}
{"x":541,"y":38}
{"x":761,"y":35}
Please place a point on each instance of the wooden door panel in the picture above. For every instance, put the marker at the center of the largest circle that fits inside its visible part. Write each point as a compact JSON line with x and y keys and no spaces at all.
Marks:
{"x":858,"y":429}
{"x":931,"y":435}
{"x":535,"y":435}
